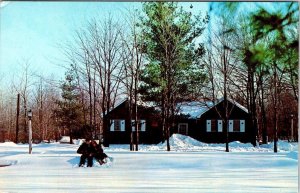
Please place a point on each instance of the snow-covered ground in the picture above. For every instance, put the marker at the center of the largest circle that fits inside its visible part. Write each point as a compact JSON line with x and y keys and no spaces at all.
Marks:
{"x":191,"y":166}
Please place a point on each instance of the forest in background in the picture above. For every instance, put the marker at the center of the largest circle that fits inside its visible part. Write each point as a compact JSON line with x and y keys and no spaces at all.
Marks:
{"x":166,"y":54}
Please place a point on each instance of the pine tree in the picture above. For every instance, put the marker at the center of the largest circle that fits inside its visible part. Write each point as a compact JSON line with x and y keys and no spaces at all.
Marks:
{"x":68,"y":110}
{"x":173,"y":71}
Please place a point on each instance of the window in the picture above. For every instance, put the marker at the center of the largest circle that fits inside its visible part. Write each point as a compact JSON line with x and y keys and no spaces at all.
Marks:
{"x":211,"y":126}
{"x":208,"y":125}
{"x":242,"y":125}
{"x":141,"y":125}
{"x":236,"y":125}
{"x":230,"y":125}
{"x":154,"y":124}
{"x":117,"y":125}
{"x":183,"y":128}
{"x":220,"y":125}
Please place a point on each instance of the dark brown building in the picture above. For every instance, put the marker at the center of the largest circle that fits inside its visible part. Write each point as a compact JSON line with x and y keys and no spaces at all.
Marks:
{"x":207,"y":125}
{"x":120,"y":127}
{"x":199,"y":120}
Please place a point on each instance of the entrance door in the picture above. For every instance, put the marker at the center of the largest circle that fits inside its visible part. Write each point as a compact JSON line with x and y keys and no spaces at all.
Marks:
{"x":183,"y":128}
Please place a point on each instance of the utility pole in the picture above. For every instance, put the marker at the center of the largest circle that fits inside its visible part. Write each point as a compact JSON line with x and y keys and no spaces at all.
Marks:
{"x":225,"y":100}
{"x":292,"y":127}
{"x":18,"y":114}
{"x":30,"y":130}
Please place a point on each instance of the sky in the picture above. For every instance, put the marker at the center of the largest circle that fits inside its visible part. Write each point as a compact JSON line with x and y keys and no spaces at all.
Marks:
{"x":32,"y":32}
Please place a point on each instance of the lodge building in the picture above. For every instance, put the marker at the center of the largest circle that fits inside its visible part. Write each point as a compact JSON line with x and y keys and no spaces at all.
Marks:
{"x":203,"y":121}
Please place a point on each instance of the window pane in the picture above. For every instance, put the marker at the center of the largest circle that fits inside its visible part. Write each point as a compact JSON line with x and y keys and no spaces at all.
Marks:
{"x":242,"y":125}
{"x":208,"y":125}
{"x":230,"y":123}
{"x":183,"y":128}
{"x":213,"y":125}
{"x":117,"y":125}
{"x":236,"y":126}
{"x":220,"y":125}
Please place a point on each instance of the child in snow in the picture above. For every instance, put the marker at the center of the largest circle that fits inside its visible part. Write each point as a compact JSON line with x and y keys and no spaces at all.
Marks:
{"x":86,"y":150}
{"x":98,"y":153}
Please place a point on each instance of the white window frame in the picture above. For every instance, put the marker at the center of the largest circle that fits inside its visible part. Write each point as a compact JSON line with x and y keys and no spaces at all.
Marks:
{"x":242,"y":126}
{"x":112,"y":125}
{"x":187,"y":127}
{"x":142,"y":123}
{"x":122,"y":125}
{"x":208,"y":125}
{"x":220,"y":125}
{"x":230,"y":126}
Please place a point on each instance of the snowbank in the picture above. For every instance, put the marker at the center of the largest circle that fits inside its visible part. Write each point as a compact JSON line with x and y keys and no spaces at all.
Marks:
{"x":65,"y":139}
{"x":282,"y":146}
{"x":180,"y":142}
{"x":11,"y":144}
{"x":293,"y":155}
{"x":185,"y":143}
{"x":4,"y":163}
{"x":78,"y":141}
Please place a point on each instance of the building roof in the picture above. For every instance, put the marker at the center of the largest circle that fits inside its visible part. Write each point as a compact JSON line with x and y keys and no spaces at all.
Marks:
{"x":193,"y":110}
{"x":197,"y":109}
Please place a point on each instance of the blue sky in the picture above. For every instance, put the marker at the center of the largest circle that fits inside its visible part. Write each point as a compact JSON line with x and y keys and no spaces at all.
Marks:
{"x":31,"y":31}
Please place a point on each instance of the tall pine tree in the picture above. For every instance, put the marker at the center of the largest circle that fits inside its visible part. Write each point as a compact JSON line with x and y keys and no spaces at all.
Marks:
{"x":68,"y":110}
{"x":170,"y":46}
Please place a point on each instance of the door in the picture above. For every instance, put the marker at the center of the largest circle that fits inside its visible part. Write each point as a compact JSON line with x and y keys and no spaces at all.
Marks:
{"x":183,"y":128}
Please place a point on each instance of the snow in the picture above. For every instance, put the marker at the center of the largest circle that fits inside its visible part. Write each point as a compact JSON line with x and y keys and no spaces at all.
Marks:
{"x":65,"y":139}
{"x":194,"y":109}
{"x":191,"y":166}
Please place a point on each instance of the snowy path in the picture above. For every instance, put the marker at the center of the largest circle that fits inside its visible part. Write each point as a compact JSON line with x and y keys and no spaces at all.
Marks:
{"x":51,"y":169}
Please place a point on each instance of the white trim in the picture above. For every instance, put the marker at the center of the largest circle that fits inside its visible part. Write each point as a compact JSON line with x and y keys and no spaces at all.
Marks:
{"x":230,"y":126}
{"x":122,"y":125}
{"x":143,"y":125}
{"x":220,"y":125}
{"x":122,"y":122}
{"x":219,"y":101}
{"x":208,"y":125}
{"x":112,"y":126}
{"x":242,"y":125}
{"x":132,"y":125}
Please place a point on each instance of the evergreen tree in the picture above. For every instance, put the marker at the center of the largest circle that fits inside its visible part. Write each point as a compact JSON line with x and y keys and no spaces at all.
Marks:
{"x":69,"y":107}
{"x":173,"y":72}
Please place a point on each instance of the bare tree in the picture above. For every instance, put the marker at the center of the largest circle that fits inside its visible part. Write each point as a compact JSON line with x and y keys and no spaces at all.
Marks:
{"x":22,"y":86}
{"x":97,"y":56}
{"x":133,"y":61}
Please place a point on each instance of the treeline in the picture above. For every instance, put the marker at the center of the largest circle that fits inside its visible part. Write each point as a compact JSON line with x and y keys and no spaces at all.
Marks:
{"x":166,"y":54}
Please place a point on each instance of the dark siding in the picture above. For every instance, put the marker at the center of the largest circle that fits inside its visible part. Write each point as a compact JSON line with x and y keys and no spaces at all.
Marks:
{"x":196,"y":127}
{"x":153,"y":133}
{"x":201,"y":134}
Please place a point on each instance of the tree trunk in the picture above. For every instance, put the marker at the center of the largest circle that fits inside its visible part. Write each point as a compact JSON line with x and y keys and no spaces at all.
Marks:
{"x":275,"y":108}
{"x":136,"y":116}
{"x":17,"y":121}
{"x":263,"y":114}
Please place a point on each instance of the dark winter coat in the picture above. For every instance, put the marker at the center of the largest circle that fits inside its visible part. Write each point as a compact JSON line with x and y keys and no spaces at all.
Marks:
{"x":85,"y":149}
{"x":98,"y":152}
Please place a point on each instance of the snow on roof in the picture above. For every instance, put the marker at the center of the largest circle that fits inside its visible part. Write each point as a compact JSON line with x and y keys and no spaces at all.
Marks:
{"x":194,"y":109}
{"x":235,"y":103}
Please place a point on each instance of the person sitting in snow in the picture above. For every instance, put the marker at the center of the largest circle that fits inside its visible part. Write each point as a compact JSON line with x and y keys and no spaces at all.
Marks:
{"x":87,"y":153}
{"x":98,"y":153}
